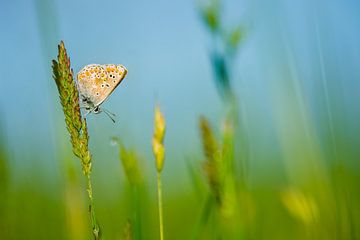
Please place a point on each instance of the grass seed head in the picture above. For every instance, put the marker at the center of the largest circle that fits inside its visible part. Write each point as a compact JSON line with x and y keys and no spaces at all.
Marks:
{"x":158,"y":139}
{"x":210,"y":13}
{"x":212,"y":164}
{"x":127,"y":231}
{"x":300,"y":206}
{"x":210,"y":145}
{"x":69,"y":98}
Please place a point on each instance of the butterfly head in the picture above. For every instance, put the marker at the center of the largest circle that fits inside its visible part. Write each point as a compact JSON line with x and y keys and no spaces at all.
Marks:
{"x":97,"y":110}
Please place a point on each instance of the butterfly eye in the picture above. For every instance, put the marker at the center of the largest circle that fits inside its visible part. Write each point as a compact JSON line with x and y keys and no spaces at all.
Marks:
{"x":107,"y":85}
{"x":102,"y":85}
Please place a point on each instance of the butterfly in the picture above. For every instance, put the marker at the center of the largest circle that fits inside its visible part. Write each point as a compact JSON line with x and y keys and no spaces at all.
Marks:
{"x":95,"y":84}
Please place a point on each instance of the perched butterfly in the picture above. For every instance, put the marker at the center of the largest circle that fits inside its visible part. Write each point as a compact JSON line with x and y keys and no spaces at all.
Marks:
{"x":95,"y":84}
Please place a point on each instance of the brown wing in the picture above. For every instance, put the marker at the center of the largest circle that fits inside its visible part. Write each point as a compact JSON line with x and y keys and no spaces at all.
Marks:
{"x":96,"y":82}
{"x":115,"y":74}
{"x":90,"y":79}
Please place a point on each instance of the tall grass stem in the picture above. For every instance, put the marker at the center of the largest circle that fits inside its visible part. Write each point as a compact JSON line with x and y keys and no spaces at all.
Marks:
{"x":160,"y":206}
{"x":94,"y":224}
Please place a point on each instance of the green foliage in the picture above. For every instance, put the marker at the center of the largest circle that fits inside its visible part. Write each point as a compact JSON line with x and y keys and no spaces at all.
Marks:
{"x":4,"y":180}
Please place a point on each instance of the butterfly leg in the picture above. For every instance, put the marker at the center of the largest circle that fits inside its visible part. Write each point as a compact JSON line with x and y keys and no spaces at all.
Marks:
{"x":87,"y":113}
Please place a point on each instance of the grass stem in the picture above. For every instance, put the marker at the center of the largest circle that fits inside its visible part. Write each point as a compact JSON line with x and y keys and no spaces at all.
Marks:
{"x":94,"y":224}
{"x":75,"y":122}
{"x":160,"y":206}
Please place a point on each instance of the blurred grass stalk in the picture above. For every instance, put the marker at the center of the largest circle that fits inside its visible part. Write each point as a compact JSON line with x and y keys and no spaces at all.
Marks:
{"x":224,"y":47}
{"x":220,"y":173}
{"x":76,"y":125}
{"x":226,"y":177}
{"x":4,"y":182}
{"x":159,"y":154}
{"x":310,"y":155}
{"x":75,"y":210}
{"x":127,"y":231}
{"x":306,"y":161}
{"x":130,"y":163}
{"x":302,"y":154}
{"x":302,"y":208}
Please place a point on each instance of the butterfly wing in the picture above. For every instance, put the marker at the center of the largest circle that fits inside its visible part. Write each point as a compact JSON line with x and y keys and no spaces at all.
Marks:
{"x":96,"y":82}
{"x":89,"y":79}
{"x":115,"y":74}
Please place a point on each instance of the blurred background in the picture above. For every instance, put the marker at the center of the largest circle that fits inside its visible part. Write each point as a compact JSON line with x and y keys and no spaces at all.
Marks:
{"x":276,"y":81}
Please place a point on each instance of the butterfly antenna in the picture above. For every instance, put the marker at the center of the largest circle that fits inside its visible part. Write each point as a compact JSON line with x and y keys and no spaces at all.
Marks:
{"x":107,"y":111}
{"x":109,"y":114}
